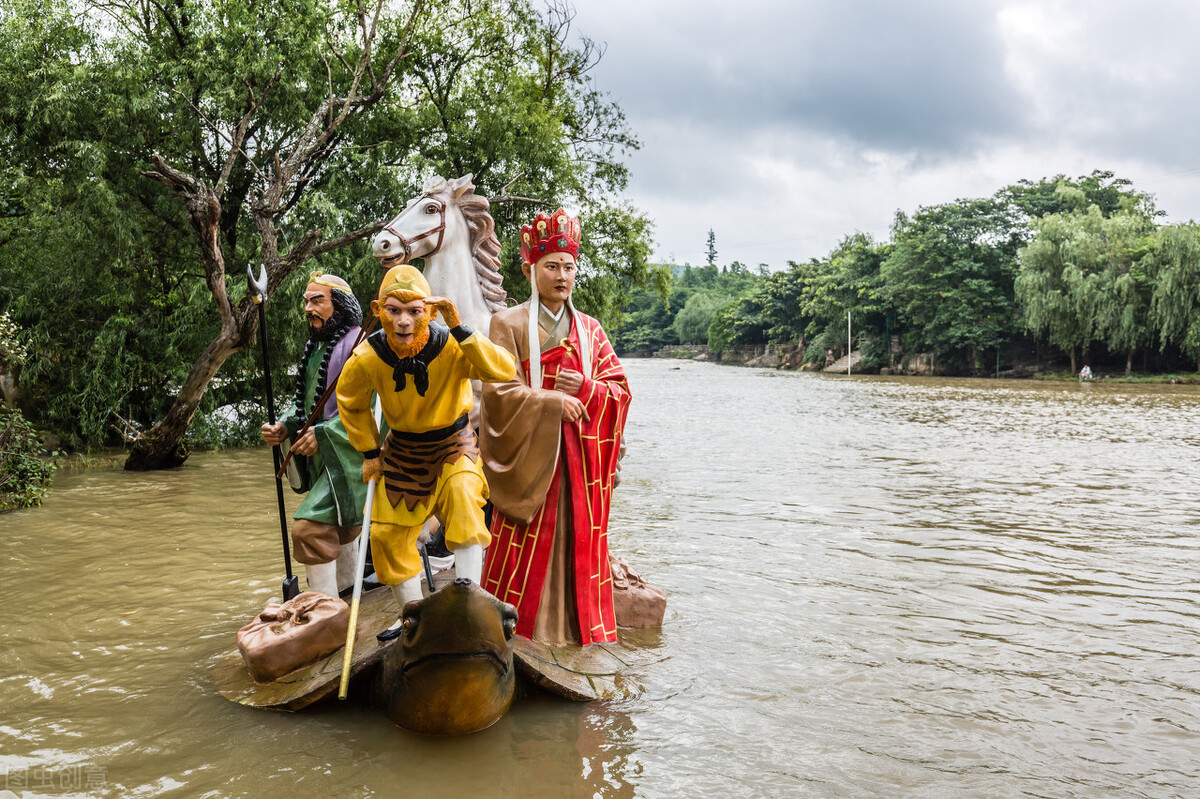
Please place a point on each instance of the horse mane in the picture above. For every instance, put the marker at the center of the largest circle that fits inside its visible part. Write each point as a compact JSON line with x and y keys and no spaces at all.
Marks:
{"x":485,"y":247}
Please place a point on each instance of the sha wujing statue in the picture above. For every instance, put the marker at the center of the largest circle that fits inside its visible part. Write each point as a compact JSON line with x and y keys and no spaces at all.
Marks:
{"x":550,"y":439}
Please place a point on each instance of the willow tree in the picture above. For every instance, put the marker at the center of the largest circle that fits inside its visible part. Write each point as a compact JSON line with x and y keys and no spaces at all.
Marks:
{"x":1175,"y":302}
{"x":1085,"y":277}
{"x":1053,"y":283}
{"x":209,"y":137}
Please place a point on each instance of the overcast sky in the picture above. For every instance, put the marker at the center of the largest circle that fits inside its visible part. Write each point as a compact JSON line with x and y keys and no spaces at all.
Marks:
{"x":786,"y":124}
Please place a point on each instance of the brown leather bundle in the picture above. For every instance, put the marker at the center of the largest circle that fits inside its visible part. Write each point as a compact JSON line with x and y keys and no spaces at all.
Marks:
{"x":285,"y":637}
{"x":637,"y":603}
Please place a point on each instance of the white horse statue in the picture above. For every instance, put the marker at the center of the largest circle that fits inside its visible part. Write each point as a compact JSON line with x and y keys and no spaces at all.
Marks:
{"x":449,"y":226}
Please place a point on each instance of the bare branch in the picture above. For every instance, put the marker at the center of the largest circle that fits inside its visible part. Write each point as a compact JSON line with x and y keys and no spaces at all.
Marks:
{"x":204,"y":212}
{"x":509,"y":198}
{"x":318,"y":132}
{"x":504,"y":189}
{"x":217,"y":130}
{"x":348,"y":238}
{"x":301,"y":252}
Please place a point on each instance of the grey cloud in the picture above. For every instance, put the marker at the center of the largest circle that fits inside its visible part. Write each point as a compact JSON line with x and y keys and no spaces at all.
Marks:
{"x":897,"y":76}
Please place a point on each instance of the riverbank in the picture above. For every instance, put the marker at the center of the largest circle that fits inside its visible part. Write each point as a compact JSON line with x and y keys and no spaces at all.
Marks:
{"x":791,"y":358}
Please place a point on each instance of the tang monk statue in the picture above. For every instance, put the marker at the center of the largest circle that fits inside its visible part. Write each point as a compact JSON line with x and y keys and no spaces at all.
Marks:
{"x":550,"y":438}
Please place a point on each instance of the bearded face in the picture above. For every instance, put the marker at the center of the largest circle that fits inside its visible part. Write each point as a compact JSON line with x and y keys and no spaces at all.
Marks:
{"x":406,"y":323}
{"x":318,"y":310}
{"x":327,"y":310}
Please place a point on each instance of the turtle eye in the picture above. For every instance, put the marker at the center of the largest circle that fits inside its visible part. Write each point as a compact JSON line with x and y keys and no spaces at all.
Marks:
{"x":408,"y":626}
{"x":510,"y":629}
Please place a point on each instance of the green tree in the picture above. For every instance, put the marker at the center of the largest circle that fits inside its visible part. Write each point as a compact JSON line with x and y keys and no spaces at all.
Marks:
{"x":692,"y":321}
{"x":1175,"y":300}
{"x":950,"y":277}
{"x":1085,"y":277}
{"x":1123,"y":304}
{"x":849,"y":280}
{"x":1060,"y":194}
{"x":268,"y":156}
{"x":1056,"y":278}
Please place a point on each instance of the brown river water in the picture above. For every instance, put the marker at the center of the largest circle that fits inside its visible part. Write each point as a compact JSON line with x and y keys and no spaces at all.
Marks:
{"x":878,"y":587}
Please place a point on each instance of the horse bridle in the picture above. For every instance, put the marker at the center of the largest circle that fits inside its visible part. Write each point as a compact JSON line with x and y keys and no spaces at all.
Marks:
{"x":440,"y":230}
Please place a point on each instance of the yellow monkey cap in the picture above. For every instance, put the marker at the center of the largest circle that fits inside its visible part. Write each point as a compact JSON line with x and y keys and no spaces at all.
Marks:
{"x":404,"y":279}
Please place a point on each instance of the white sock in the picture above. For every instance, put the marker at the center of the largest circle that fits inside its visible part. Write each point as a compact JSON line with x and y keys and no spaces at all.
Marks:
{"x":322,"y":577}
{"x":405,"y":592}
{"x":468,"y":562}
{"x":347,"y":562}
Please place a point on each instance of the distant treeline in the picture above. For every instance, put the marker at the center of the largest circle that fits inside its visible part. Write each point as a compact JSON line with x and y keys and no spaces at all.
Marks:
{"x":1059,"y":268}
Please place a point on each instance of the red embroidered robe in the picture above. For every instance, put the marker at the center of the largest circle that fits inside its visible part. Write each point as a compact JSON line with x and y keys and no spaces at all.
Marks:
{"x":523,"y":438}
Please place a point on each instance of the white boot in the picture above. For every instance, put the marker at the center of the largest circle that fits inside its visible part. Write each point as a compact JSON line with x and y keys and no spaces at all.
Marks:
{"x":468,"y":562}
{"x":322,"y":577}
{"x":404,"y":593}
{"x":347,"y":562}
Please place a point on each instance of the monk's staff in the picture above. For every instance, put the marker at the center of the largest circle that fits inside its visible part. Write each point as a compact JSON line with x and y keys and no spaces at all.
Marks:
{"x":360,"y":564}
{"x":363,"y":332}
{"x":258,"y":289}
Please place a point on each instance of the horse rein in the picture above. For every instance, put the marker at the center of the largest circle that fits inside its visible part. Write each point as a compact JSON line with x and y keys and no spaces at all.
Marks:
{"x":440,"y":230}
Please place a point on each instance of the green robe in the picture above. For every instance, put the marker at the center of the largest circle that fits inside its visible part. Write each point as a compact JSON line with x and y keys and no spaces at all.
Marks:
{"x":337,"y":492}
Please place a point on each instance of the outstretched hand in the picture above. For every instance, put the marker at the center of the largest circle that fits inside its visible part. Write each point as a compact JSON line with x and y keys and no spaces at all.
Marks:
{"x":446,"y":308}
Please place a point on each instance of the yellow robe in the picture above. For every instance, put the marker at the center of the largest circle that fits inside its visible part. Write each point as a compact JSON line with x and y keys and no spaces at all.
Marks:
{"x":461,"y":489}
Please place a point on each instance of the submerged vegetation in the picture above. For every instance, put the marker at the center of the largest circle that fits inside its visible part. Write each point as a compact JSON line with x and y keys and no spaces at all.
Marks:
{"x":1055,"y":270}
{"x":25,"y":469}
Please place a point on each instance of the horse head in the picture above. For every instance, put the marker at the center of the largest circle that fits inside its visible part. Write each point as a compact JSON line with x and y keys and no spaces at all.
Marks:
{"x":420,"y":229}
{"x":449,"y":226}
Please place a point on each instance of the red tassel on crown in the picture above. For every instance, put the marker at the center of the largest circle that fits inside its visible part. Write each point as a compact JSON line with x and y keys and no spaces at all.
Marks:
{"x":558,"y":232}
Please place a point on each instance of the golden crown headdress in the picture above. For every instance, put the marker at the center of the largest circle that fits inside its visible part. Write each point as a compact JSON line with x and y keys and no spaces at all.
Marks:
{"x":558,"y":232}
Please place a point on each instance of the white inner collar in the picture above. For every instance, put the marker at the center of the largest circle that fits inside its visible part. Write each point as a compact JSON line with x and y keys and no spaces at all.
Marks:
{"x":555,"y":316}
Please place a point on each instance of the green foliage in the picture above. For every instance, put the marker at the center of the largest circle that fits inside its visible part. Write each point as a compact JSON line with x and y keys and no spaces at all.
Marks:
{"x":724,"y":332}
{"x":1060,"y":194}
{"x":1076,"y":262}
{"x":692,"y":321}
{"x":235,"y":425}
{"x":950,"y":277}
{"x":100,"y":265}
{"x":13,"y":352}
{"x":650,"y":323}
{"x":24,"y":471}
{"x":1175,"y":302}
{"x":1085,"y":277}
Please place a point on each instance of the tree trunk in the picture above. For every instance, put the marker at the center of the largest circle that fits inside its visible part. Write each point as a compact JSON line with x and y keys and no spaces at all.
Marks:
{"x":162,"y":446}
{"x":1074,"y":365}
{"x":1129,"y":363}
